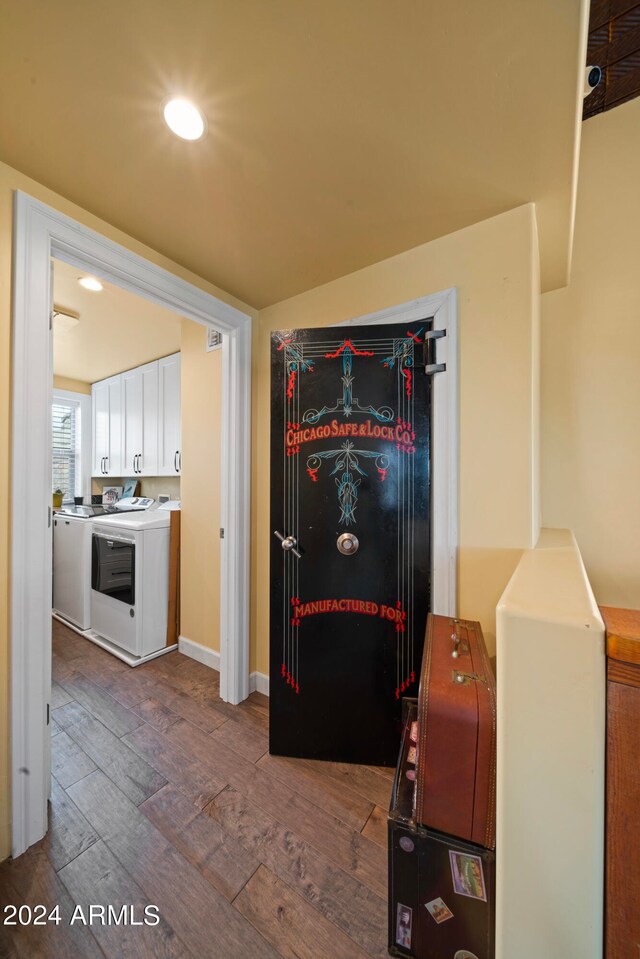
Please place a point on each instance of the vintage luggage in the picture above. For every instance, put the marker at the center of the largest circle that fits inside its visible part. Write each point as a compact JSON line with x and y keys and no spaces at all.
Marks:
{"x":441,"y":889}
{"x":455,"y":784}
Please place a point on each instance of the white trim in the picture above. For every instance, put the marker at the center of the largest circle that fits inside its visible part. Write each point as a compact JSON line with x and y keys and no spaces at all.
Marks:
{"x":39,"y":233}
{"x":235,"y":559}
{"x":405,"y":312}
{"x":202,"y":654}
{"x":258,"y":682}
{"x":84,"y":402}
{"x":443,"y":307}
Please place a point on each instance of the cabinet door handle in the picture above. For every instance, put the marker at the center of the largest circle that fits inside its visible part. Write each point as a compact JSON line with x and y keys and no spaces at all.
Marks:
{"x":175,"y":461}
{"x":139,"y":462}
{"x":180,"y":461}
{"x":104,"y":464}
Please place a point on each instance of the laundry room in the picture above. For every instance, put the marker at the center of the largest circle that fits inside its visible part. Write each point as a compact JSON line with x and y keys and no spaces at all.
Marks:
{"x":120,"y":470}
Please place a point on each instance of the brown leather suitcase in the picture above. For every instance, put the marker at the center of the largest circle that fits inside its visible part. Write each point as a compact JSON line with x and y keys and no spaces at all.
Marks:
{"x":441,"y":888}
{"x":456,"y":744}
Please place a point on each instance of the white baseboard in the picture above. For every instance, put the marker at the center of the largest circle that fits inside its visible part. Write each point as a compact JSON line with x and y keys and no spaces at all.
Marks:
{"x":258,"y":682}
{"x":204,"y":655}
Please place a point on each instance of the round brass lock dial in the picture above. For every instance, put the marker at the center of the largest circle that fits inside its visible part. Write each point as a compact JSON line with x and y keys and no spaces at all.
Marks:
{"x":347,"y":544}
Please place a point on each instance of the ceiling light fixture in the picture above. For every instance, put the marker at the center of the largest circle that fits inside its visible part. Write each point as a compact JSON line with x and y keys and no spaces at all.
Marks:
{"x":184,"y":119}
{"x":90,"y":283}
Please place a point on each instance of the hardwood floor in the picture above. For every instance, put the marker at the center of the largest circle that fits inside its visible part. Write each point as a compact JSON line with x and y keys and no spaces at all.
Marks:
{"x":163,"y":795}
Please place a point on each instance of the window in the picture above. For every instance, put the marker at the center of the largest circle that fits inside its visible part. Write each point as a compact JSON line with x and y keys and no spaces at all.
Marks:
{"x":66,"y":452}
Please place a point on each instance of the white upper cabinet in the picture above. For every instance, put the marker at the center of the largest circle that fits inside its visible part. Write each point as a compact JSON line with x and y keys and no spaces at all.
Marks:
{"x":140,"y":420}
{"x":106,"y":403}
{"x":169,"y":433}
{"x":136,"y":421}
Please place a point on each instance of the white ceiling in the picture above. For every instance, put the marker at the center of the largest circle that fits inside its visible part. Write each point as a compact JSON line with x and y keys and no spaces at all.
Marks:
{"x":340,"y":132}
{"x":117,"y":330}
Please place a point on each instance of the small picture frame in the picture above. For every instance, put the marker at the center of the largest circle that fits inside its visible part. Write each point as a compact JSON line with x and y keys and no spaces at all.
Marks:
{"x":111,"y":494}
{"x":131,"y":488}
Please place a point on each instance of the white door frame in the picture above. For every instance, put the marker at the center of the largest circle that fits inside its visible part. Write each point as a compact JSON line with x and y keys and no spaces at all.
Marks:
{"x":39,"y":233}
{"x":443,"y":307}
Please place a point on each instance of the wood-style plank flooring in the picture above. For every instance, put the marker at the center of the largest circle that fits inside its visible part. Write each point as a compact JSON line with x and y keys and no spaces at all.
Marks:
{"x":164,"y":795}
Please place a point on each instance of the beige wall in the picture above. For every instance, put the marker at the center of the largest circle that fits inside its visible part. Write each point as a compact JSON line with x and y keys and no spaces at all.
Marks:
{"x":201,"y":377}
{"x":74,"y":386}
{"x":11,"y":180}
{"x":494,"y":265}
{"x":591,"y":366}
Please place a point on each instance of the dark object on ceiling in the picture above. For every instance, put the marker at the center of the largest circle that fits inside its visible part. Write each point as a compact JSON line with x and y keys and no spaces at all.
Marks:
{"x":614,"y":46}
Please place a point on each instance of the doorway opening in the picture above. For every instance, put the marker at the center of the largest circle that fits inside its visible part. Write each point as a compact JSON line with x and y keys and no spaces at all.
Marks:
{"x":40,"y":234}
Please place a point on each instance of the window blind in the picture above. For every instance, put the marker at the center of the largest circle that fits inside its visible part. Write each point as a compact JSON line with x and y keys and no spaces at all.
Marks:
{"x":65,"y":431}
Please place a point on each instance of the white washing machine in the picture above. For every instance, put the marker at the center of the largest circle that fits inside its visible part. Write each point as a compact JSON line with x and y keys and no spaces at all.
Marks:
{"x":130,"y":581}
{"x":72,"y":568}
{"x":72,"y":557}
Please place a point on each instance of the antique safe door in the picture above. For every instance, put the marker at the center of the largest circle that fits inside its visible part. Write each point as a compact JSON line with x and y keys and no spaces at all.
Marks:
{"x":350,"y":536}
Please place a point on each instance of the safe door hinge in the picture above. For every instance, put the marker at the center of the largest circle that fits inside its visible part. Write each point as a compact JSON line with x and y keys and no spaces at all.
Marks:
{"x":429,"y":352}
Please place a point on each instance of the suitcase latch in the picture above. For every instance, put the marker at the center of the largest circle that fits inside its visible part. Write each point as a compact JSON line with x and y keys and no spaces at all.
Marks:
{"x":465,"y":679}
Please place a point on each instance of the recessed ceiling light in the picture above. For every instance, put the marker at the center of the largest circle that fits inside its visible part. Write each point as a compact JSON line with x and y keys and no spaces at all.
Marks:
{"x":90,"y":283}
{"x":184,"y":119}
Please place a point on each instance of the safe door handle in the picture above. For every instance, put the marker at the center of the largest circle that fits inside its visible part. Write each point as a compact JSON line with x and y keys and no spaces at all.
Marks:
{"x":288,"y":543}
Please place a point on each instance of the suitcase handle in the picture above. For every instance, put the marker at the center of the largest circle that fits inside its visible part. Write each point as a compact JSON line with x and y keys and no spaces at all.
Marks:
{"x":458,"y":646}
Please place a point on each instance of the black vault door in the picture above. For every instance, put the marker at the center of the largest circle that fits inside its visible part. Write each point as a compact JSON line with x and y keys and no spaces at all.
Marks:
{"x":350,"y":561}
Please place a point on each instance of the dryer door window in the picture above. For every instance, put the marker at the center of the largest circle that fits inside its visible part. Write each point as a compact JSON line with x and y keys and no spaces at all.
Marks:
{"x":113,"y":568}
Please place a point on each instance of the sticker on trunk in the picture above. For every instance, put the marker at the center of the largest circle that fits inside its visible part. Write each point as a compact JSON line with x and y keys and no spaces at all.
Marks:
{"x":404,"y":917}
{"x":467,"y":875}
{"x":438,"y":910}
